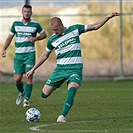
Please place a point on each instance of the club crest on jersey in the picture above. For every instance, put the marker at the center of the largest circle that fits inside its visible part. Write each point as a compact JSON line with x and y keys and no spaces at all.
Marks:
{"x":33,"y":30}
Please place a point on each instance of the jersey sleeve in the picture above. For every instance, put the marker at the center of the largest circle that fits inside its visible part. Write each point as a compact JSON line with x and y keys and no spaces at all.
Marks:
{"x":49,"y":46}
{"x":12,"y":30}
{"x":39,"y":28}
{"x":81,"y":28}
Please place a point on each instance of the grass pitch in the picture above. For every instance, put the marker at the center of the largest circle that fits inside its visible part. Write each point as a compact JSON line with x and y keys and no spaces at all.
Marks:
{"x":100,"y":107}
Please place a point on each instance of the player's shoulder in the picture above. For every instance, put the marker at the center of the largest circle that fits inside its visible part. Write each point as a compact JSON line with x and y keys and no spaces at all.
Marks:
{"x":17,"y":22}
{"x":75,"y":26}
{"x":33,"y":21}
{"x":52,"y":37}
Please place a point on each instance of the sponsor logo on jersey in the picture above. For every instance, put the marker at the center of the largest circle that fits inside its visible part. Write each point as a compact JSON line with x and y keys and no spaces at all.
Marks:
{"x":19,"y":34}
{"x":71,"y":40}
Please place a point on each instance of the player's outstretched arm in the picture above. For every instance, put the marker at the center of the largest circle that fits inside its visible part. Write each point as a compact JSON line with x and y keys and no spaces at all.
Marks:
{"x":101,"y":22}
{"x":40,"y":61}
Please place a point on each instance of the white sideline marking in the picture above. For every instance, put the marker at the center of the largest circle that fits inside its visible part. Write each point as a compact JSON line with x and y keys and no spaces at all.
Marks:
{"x":106,"y":89}
{"x":37,"y":128}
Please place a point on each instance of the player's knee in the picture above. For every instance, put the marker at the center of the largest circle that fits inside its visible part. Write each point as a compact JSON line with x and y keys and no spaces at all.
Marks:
{"x":44,"y":95}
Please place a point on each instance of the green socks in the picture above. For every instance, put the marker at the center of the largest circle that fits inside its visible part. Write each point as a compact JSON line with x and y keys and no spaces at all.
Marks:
{"x":20,"y":88}
{"x":43,"y":95}
{"x":28,"y":91}
{"x":69,"y":101}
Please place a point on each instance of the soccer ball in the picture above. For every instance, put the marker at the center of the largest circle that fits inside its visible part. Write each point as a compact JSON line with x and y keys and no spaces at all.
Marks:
{"x":32,"y":115}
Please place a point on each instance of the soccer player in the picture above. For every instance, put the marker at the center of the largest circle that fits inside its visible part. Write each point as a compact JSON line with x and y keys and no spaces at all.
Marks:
{"x":26,"y":35}
{"x":66,"y":43}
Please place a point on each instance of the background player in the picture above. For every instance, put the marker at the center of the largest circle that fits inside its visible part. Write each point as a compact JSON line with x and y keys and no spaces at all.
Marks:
{"x":26,"y":35}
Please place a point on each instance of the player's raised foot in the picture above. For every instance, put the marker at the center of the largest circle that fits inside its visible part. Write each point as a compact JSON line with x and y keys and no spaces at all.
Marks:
{"x":19,"y":98}
{"x":26,"y":103}
{"x":61,"y":118}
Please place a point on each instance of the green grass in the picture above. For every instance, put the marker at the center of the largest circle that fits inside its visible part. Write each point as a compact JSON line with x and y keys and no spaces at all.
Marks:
{"x":100,"y":107}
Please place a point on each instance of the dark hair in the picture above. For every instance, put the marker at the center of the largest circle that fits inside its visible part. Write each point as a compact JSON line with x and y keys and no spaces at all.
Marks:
{"x":27,"y":6}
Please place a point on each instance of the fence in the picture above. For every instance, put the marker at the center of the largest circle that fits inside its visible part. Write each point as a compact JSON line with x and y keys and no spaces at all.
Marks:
{"x":107,"y":53}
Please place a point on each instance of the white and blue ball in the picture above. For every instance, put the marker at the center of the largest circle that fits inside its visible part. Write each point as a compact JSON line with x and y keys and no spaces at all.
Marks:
{"x":32,"y":115}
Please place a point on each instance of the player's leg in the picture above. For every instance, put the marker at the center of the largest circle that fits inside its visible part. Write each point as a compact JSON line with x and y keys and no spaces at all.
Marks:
{"x":28,"y":91}
{"x":55,"y":81}
{"x":19,"y":85}
{"x":29,"y":63}
{"x":18,"y":82}
{"x":18,"y":75}
{"x":74,"y":82}
{"x":47,"y":91}
{"x":72,"y":89}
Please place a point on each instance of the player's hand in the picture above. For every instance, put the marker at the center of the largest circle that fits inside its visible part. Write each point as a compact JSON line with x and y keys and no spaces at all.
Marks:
{"x":3,"y":54}
{"x":29,"y":73}
{"x":116,"y":14}
{"x":32,"y":39}
{"x":113,"y":14}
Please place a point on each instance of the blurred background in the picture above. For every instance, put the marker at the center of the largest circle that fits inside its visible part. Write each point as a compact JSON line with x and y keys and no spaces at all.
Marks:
{"x":107,"y":52}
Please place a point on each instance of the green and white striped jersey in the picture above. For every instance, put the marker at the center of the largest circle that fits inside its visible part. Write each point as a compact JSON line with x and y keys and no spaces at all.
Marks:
{"x":23,"y":32}
{"x":67,"y":47}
